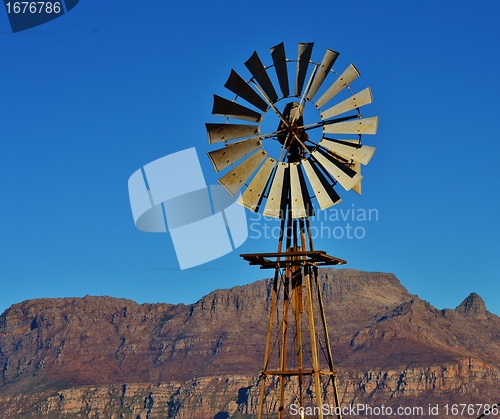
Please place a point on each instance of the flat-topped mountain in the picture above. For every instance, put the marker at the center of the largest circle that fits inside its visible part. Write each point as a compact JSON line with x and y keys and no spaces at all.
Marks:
{"x":97,"y":357}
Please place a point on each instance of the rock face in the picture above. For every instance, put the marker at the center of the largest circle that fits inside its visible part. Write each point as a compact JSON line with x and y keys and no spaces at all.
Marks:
{"x":101,"y":357}
{"x":473,"y":306}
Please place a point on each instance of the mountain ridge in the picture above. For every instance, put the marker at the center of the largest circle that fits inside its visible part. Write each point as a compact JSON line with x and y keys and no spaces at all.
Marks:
{"x":379,"y":331}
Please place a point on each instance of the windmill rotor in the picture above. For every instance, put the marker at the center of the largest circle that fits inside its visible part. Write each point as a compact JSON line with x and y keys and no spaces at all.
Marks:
{"x":305,"y":168}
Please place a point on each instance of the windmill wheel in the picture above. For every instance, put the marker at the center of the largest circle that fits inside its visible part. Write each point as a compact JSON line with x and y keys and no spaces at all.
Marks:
{"x":280,"y":180}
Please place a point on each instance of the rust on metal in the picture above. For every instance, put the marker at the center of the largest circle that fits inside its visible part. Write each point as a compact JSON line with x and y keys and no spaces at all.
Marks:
{"x":315,"y":257}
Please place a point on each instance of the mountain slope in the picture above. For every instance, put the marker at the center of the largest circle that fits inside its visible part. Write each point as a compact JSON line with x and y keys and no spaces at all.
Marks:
{"x":82,"y":356}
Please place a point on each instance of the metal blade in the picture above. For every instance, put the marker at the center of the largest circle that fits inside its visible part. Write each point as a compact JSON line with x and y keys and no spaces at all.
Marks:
{"x":357,"y":126}
{"x":226,"y":132}
{"x":252,"y":197}
{"x":297,"y":202}
{"x":277,"y":197}
{"x":323,"y":70}
{"x":334,"y":168}
{"x":305,"y":51}
{"x":236,"y":178}
{"x":305,"y":193}
{"x":239,"y":86}
{"x":359,"y":153}
{"x":300,"y":200}
{"x":226,"y":156}
{"x":218,"y":133}
{"x":359,"y":99}
{"x":357,"y":168}
{"x":344,"y":79}
{"x":279,"y":60}
{"x":231,"y":109}
{"x":324,"y":192}
{"x":257,"y":69}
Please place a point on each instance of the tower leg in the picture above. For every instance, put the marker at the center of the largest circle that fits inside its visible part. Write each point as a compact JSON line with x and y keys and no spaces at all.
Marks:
{"x":284,"y":338}
{"x":314,"y":346}
{"x":263,"y":385}
{"x":327,"y":341}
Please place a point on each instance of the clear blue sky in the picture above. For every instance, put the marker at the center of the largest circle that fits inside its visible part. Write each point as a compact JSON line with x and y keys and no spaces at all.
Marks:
{"x":87,"y":99}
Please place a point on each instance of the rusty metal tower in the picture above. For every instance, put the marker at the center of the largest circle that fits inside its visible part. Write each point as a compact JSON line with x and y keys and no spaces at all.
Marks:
{"x":298,"y":375}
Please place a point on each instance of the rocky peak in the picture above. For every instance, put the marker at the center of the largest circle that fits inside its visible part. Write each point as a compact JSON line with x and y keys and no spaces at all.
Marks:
{"x":472,"y":306}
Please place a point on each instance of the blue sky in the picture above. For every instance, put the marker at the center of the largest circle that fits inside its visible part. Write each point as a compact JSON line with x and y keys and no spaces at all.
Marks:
{"x":87,"y":99}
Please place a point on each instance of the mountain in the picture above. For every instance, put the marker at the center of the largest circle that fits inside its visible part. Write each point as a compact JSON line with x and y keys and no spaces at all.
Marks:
{"x":103,"y":357}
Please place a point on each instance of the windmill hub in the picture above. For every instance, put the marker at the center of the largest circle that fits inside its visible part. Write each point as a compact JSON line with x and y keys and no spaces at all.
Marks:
{"x":291,"y":134}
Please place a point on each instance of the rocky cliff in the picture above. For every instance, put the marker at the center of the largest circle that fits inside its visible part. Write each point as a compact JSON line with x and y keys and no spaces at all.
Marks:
{"x":101,"y":357}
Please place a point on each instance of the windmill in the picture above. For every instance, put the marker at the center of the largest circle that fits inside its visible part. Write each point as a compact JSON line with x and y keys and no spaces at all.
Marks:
{"x":298,"y":368}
